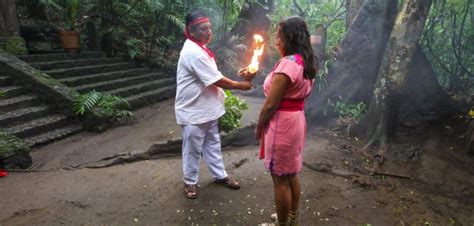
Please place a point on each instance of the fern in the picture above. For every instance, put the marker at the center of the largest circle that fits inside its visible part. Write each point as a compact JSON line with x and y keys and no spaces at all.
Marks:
{"x":111,"y":105}
{"x":86,"y":102}
{"x":175,"y":20}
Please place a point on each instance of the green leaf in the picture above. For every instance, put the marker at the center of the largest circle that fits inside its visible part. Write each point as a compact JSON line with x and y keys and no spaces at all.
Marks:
{"x":233,"y":107}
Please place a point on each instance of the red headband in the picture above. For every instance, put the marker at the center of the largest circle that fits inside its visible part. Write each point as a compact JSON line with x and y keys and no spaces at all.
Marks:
{"x":198,"y":21}
{"x":188,"y":36}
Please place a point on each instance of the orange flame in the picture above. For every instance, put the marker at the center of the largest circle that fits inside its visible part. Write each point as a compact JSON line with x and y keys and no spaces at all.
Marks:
{"x":257,"y":52}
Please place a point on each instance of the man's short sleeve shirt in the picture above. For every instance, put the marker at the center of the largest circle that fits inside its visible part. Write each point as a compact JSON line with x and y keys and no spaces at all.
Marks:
{"x":197,"y":99}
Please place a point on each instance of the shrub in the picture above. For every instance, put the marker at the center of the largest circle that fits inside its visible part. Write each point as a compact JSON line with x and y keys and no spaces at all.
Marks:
{"x":108,"y":104}
{"x":233,"y":112}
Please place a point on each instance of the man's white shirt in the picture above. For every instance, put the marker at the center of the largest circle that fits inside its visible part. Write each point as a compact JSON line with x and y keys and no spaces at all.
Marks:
{"x":197,"y":99}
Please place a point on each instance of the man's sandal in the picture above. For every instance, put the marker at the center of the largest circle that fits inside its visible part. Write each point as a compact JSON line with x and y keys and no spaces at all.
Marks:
{"x":228,"y":182}
{"x":190,"y":191}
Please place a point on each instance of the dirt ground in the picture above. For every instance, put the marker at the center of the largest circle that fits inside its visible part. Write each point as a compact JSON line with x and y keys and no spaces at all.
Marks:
{"x":335,"y":188}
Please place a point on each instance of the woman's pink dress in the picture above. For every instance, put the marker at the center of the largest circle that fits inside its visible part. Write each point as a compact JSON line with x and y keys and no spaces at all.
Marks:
{"x":285,"y":134}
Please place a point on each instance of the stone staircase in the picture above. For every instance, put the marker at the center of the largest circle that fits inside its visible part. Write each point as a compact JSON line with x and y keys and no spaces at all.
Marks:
{"x":25,"y":116}
{"x":87,"y":71}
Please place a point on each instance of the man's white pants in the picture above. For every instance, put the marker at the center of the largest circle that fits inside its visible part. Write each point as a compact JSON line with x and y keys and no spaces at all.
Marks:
{"x":202,"y":139}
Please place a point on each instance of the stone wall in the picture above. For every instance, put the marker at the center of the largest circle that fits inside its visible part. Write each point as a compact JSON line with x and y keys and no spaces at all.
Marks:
{"x":14,"y":153}
{"x":49,"y":90}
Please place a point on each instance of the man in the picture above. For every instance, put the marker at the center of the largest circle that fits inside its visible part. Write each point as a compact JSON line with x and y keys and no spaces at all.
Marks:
{"x":200,"y":103}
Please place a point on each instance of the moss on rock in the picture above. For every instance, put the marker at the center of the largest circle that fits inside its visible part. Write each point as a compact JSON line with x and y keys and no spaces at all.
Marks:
{"x":15,"y":45}
{"x":11,"y":145}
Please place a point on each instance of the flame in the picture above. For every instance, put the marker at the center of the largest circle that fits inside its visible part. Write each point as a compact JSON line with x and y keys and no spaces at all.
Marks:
{"x":257,"y":52}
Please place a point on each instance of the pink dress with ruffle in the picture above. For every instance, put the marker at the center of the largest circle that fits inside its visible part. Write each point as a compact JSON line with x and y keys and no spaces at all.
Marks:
{"x":285,"y":134}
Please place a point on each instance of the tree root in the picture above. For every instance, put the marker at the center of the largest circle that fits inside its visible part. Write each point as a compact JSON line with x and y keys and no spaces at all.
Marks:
{"x":240,"y":137}
{"x":354,"y":177}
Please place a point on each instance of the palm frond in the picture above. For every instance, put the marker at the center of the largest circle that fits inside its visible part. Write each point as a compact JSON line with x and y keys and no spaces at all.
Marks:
{"x":175,"y":20}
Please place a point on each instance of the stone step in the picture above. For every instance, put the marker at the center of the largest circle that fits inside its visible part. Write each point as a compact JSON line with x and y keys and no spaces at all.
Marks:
{"x":38,"y":126}
{"x":87,"y":70}
{"x":5,"y":80}
{"x":61,"y":56}
{"x":152,"y":96}
{"x":11,"y":91}
{"x":142,"y":87}
{"x":18,"y":102}
{"x":70,"y":63}
{"x":87,"y":79}
{"x":53,"y":135}
{"x":22,"y":115}
{"x":117,"y":83}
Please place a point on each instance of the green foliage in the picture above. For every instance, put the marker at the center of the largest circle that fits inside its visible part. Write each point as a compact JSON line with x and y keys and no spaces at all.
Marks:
{"x":68,"y":10}
{"x":15,"y":45}
{"x":233,"y":107}
{"x":329,"y":13}
{"x":448,"y":41}
{"x":11,"y":145}
{"x":135,"y":47}
{"x":348,"y":110}
{"x":110,"y":105}
{"x":323,"y":73}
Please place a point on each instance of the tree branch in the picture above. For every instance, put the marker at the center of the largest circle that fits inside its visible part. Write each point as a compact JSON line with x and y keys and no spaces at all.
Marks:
{"x":302,"y":13}
{"x":124,"y":15}
{"x":336,"y":16}
{"x":457,"y":43}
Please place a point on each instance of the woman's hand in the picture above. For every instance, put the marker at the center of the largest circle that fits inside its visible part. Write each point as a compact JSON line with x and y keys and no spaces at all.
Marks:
{"x":246,"y":75}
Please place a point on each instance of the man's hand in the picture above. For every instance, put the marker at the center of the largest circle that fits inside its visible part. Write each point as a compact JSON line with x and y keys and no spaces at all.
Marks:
{"x":246,"y":85}
{"x":246,"y":75}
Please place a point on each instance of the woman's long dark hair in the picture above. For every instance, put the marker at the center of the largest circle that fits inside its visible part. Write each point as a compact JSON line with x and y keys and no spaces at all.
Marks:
{"x":294,"y":38}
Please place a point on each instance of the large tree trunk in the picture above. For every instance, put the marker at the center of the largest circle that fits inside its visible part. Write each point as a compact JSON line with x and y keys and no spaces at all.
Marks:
{"x":353,"y":75}
{"x":382,"y":116}
{"x":253,"y":19}
{"x":423,"y":98}
{"x":352,"y":7}
{"x":8,"y":18}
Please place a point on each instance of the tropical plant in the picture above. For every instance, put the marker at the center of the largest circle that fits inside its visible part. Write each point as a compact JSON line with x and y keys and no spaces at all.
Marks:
{"x":330,"y":14}
{"x":233,"y":112}
{"x":350,"y":110}
{"x":68,"y":10}
{"x":344,"y":109}
{"x":110,"y":105}
{"x":135,"y":47}
{"x":448,"y":41}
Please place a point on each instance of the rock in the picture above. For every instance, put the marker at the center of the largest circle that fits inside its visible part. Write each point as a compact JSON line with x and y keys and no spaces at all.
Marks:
{"x":15,"y":45}
{"x":14,"y":153}
{"x":41,"y":36}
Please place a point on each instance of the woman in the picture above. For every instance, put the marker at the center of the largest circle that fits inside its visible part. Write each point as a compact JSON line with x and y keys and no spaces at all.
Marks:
{"x":281,"y":126}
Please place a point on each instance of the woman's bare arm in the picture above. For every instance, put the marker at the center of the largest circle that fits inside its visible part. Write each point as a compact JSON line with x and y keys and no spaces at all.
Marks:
{"x":277,"y":91}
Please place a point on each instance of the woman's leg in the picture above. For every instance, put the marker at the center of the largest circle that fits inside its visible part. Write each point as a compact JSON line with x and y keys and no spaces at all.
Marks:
{"x":295,"y":192}
{"x":282,"y":193}
{"x":295,"y":199}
